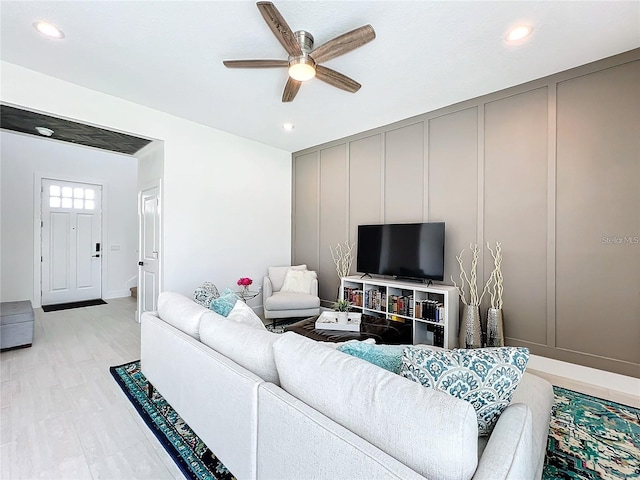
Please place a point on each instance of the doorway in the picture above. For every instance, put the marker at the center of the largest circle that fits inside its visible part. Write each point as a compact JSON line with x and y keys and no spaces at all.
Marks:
{"x":149,"y":249}
{"x":71,"y":241}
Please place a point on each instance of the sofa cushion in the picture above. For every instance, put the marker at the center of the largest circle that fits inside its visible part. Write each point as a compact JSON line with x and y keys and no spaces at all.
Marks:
{"x":224,"y":303}
{"x":298,"y":281}
{"x":210,"y":316}
{"x":388,"y":357}
{"x":248,"y":346}
{"x":180,"y":312}
{"x":485,"y":377}
{"x":243,"y":313}
{"x":291,"y":301}
{"x":277,"y":274}
{"x":429,"y":431}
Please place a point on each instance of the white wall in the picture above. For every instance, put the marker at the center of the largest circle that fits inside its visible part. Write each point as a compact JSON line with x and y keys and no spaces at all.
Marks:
{"x":150,"y":164}
{"x":22,"y":158}
{"x":226,"y":202}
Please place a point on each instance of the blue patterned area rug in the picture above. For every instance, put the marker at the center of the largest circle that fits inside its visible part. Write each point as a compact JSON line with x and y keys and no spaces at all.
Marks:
{"x":589,"y":438}
{"x":190,"y":453}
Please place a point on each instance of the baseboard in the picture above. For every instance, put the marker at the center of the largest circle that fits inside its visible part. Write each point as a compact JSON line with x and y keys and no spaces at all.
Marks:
{"x":598,"y":383}
{"x":116,"y":294}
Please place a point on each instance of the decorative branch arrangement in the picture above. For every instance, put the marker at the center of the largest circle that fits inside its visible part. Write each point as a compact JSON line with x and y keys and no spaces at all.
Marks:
{"x":471,"y":279}
{"x":495,"y":290}
{"x":343,"y":257}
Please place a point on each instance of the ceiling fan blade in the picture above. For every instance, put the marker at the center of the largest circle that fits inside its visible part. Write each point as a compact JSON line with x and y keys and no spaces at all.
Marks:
{"x":279,"y":27}
{"x":255,"y":63}
{"x":343,"y":44}
{"x":290,"y":90}
{"x":337,"y":79}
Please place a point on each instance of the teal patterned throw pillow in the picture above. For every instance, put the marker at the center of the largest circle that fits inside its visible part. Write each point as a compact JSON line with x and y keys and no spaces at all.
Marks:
{"x":485,"y":377}
{"x":225,"y":303}
{"x":388,"y":357}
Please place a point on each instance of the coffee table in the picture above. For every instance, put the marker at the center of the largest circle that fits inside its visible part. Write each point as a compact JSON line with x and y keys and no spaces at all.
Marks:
{"x":382,"y":330}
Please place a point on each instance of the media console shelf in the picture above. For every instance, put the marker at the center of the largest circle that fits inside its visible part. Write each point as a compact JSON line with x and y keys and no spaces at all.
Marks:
{"x":432,"y":310}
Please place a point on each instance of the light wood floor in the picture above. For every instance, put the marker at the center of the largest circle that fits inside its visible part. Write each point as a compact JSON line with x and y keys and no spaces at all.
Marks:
{"x":63,"y":415}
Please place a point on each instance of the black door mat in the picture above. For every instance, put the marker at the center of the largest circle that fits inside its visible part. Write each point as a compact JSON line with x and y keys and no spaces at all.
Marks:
{"x":67,"y":306}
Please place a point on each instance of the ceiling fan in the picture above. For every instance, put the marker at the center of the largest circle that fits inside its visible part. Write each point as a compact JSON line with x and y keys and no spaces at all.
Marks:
{"x":304,"y":60}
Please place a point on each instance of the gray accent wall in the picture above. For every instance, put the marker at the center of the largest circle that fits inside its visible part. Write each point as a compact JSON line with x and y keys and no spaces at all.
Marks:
{"x":598,"y":214}
{"x":305,"y":228}
{"x":515,"y":204}
{"x":551,"y":169}
{"x":333,"y":214}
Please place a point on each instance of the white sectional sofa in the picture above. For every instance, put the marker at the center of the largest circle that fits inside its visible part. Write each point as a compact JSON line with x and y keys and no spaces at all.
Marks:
{"x":286,"y":407}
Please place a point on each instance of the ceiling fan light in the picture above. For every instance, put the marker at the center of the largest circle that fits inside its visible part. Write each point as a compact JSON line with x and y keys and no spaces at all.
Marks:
{"x":302,"y":69}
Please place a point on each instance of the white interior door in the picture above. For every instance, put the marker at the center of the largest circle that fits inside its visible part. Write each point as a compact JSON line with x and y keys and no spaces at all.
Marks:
{"x":71,"y":221}
{"x":149,"y":250}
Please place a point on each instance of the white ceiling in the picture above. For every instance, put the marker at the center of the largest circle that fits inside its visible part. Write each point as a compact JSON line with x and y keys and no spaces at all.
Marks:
{"x":168,"y":55}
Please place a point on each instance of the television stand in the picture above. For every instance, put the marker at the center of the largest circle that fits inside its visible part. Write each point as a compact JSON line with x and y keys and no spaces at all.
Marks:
{"x":411,"y":280}
{"x":432,"y":310}
{"x":366,"y":275}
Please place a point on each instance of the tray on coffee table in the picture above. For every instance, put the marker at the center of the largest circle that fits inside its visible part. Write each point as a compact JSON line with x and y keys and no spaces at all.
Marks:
{"x":329,"y":321}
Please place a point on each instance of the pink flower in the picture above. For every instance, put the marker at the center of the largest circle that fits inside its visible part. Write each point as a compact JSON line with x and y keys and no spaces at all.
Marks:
{"x":245,"y":281}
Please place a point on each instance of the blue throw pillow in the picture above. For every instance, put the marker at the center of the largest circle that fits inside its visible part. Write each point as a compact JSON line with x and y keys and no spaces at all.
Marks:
{"x":388,"y":357}
{"x":225,"y":303}
{"x":484,"y":377}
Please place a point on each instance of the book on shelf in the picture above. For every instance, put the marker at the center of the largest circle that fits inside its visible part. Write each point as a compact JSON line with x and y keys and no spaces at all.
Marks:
{"x":375,"y":300}
{"x":431,"y":310}
{"x":353,"y":296}
{"x":436,"y":334}
{"x":401,"y":304}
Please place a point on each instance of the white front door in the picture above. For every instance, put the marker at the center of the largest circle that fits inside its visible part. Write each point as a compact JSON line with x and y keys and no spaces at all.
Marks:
{"x":149,"y":250}
{"x":71,"y":221}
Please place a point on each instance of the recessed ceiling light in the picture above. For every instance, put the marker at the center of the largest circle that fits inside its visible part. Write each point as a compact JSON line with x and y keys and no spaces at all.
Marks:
{"x":288,"y":126}
{"x":47,"y":132}
{"x":518,"y":33}
{"x":48,"y":30}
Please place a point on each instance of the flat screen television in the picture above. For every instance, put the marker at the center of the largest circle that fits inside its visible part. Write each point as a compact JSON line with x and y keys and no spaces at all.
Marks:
{"x":404,"y":250}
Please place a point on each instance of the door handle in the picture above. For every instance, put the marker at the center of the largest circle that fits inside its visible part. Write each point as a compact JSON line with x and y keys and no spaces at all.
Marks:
{"x":96,"y":256}
{"x":140,"y":263}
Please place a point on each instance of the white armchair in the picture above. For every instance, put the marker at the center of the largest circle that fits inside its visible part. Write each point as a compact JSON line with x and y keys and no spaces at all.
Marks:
{"x":299,"y":297}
